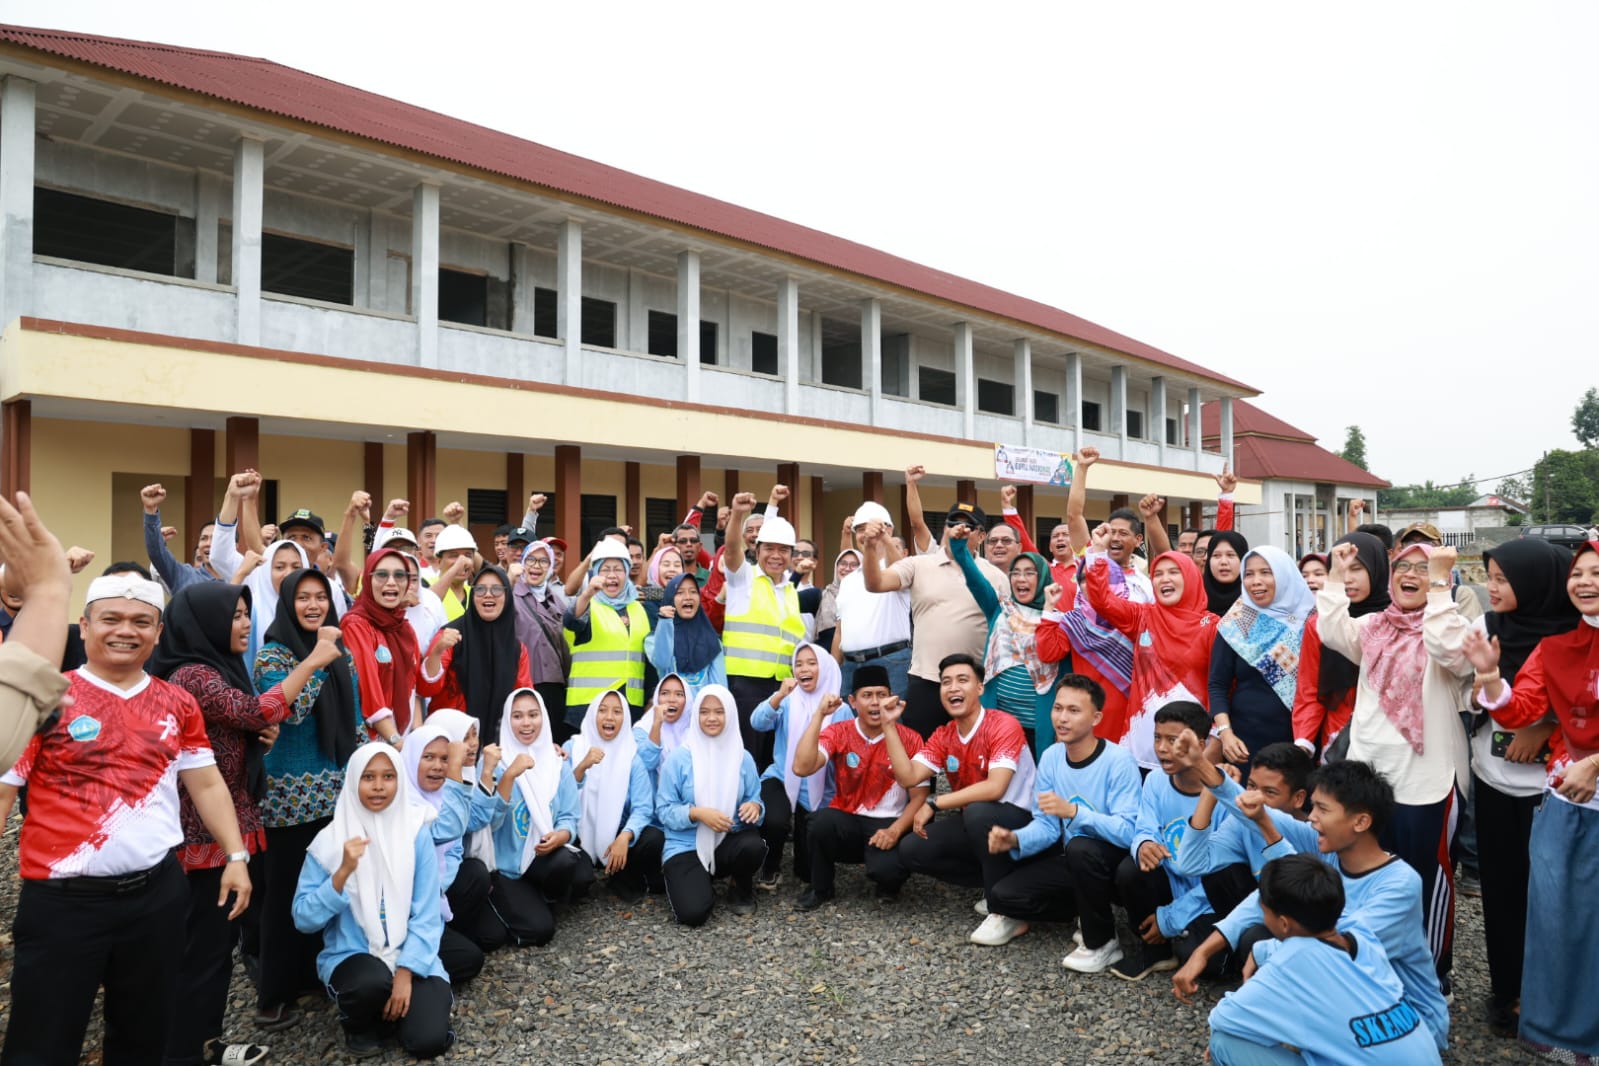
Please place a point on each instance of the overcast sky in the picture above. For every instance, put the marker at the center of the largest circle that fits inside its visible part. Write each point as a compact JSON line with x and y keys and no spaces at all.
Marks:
{"x":1375,"y":213}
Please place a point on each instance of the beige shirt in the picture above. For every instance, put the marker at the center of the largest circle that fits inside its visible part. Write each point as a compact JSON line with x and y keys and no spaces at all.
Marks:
{"x":946,"y":618}
{"x":30,"y":688}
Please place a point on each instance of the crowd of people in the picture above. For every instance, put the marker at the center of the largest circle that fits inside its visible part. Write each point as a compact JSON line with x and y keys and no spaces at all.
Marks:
{"x":364,"y":760}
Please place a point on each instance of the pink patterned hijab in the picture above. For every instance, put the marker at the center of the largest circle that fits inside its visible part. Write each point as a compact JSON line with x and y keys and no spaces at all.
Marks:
{"x":1394,"y":660}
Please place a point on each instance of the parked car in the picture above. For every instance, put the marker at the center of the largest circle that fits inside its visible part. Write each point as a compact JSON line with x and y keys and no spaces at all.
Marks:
{"x":1572,"y":537}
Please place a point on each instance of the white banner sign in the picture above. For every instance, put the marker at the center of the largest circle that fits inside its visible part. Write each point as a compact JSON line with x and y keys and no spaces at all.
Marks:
{"x":1015,"y":463}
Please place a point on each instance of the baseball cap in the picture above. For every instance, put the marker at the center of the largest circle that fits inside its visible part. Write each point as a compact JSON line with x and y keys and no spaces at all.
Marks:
{"x":967,"y":512}
{"x":302,"y":517}
{"x":519,"y":535}
{"x":1425,"y":529}
{"x":555,"y":542}
{"x":389,"y":536}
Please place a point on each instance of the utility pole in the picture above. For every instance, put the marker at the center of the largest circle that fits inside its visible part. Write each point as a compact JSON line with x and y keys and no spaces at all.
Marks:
{"x":1548,"y":513}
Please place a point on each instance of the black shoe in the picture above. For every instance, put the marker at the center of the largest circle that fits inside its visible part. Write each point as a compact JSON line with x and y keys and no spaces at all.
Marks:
{"x":1503,"y":1018}
{"x":741,"y":900}
{"x":885,"y":894}
{"x":362,"y":1045}
{"x":626,"y":891}
{"x":811,"y":900}
{"x":1144,"y":961}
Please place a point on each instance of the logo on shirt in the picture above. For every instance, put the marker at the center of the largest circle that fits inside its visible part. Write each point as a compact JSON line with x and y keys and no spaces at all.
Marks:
{"x":1145,"y":640}
{"x":169,"y":727}
{"x":522,"y":818}
{"x":84,"y":728}
{"x":1171,"y":834}
{"x":852,"y":760}
{"x":1082,"y":804}
{"x":1395,"y":1023}
{"x":382,"y":655}
{"x":951,"y":764}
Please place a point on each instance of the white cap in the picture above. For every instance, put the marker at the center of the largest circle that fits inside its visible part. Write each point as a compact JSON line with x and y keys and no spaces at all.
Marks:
{"x":776,"y":531}
{"x":400,"y":533}
{"x":610,"y":549}
{"x":454,"y":538}
{"x":871,"y":511}
{"x":125,"y":587}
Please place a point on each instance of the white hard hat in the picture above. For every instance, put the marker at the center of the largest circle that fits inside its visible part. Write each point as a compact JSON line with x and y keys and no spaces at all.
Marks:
{"x":454,"y":538}
{"x":776,"y":531}
{"x":871,"y":511}
{"x":610,"y":549}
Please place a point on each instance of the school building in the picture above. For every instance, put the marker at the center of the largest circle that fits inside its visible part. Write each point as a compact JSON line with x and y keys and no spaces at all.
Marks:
{"x":212,"y":261}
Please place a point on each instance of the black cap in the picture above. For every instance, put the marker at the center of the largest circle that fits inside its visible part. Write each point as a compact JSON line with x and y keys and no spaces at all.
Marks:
{"x":302,"y":517}
{"x":519,"y":535}
{"x":867,"y":677}
{"x":969,"y":512}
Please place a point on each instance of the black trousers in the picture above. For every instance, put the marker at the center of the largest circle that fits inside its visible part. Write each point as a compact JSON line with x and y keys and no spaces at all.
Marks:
{"x":523,"y":903}
{"x":288,"y":956}
{"x":1093,"y":864}
{"x":1504,"y":831}
{"x":1140,"y":893}
{"x":780,"y":820}
{"x":956,"y":848}
{"x":69,"y":943}
{"x":208,"y":939}
{"x":837,"y":836}
{"x":1225,"y":889}
{"x":924,"y":709}
{"x":688,"y":883}
{"x":748,"y":693}
{"x":1424,"y":836}
{"x":361,"y":986}
{"x":1037,"y":888}
{"x":473,"y":916}
{"x":643,"y":869}
{"x":461,"y":958}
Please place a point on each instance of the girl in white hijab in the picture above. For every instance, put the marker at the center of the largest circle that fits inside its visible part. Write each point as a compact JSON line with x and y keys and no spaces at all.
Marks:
{"x":662,"y":728}
{"x":283,"y":558}
{"x":533,"y":835}
{"x":370,"y":885}
{"x":786,"y":796}
{"x":709,"y":802}
{"x":616,"y":798}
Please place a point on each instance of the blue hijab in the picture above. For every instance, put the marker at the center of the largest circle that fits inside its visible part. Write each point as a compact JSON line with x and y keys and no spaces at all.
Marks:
{"x":695,"y":644}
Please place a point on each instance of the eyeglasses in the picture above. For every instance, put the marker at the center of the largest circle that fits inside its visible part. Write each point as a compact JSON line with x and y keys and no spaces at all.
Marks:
{"x":488,"y":592}
{"x":1410,"y":568}
{"x":613,"y":568}
{"x":805,"y":554}
{"x":387,"y":577}
{"x":686,"y":542}
{"x":959,"y":525}
{"x":1002,"y":541}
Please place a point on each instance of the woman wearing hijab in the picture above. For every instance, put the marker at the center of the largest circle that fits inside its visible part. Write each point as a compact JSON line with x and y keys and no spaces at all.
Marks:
{"x":534,"y":862}
{"x":204,"y":634}
{"x":664,"y":726}
{"x":709,"y":803}
{"x":1414,"y":678}
{"x":1224,"y":560}
{"x":439,"y":758}
{"x":1254,"y":666}
{"x":684,"y":642}
{"x":786,"y":797}
{"x":370,"y":887}
{"x":1171,"y":638}
{"x":616,"y":799}
{"x":281,"y":559}
{"x":304,"y":777}
{"x":476,"y":660}
{"x":1527,"y":602}
{"x":1019,"y":682}
{"x":605,"y":631}
{"x":384,"y":645}
{"x":539,"y":607}
{"x":1325,"y":694}
{"x":844,"y":564}
{"x":1562,"y":939}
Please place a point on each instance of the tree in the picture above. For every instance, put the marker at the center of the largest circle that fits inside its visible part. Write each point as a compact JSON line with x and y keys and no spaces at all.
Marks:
{"x":1355,"y":446}
{"x":1515,"y":488}
{"x":1585,"y":419}
{"x":1565,"y":487}
{"x":1428,"y":495}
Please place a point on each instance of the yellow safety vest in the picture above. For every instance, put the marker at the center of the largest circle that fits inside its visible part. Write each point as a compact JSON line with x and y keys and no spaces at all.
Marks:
{"x":613,"y":654}
{"x":761,"y":641}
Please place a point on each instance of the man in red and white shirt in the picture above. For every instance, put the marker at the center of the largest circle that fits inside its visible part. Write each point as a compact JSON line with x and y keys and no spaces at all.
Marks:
{"x":983,"y":753}
{"x":870,"y":811}
{"x":103,"y":895}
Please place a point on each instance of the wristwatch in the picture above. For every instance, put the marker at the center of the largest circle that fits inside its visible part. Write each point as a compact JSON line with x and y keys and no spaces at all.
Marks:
{"x":239,"y":856}
{"x":1438,"y":584}
{"x":395,"y":740}
{"x":932,"y":800}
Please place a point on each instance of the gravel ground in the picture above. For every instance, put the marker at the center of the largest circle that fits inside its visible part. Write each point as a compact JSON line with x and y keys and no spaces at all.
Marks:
{"x":856,"y":981}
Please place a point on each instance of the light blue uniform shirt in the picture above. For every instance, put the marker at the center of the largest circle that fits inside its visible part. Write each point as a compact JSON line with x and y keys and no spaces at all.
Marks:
{"x":1105,"y":787}
{"x":513,"y":822}
{"x":764,"y":719}
{"x":1163,"y":815}
{"x":638,"y":811}
{"x":676,"y":795}
{"x":1235,"y":839}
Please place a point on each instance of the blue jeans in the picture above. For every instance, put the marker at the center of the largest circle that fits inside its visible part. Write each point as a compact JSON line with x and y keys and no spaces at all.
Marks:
{"x":898,"y":665}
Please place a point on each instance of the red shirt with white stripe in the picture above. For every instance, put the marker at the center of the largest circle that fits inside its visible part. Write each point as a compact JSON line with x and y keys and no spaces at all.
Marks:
{"x":863,"y":776}
{"x":103,"y":795}
{"x":996,"y":741}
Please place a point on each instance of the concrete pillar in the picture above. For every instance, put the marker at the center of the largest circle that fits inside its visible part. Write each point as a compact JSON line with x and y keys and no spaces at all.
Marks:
{"x":1196,"y":432}
{"x":965,"y":380}
{"x":209,"y":196}
{"x":688,"y":322}
{"x":522,"y":286}
{"x":634,"y":504}
{"x":1022,"y":350}
{"x":872,"y":355}
{"x":421,"y":472}
{"x":372,"y":480}
{"x":1227,"y":428}
{"x":816,"y":346}
{"x":17,"y":126}
{"x":569,"y":309}
{"x":515,"y":487}
{"x":242,"y":446}
{"x":789,"y":474}
{"x":1073,"y":415}
{"x":1025,"y":508}
{"x":688,"y":484}
{"x":569,"y":499}
{"x":788,"y":353}
{"x":425,"y":271}
{"x":1118,"y":407}
{"x":1157,"y":415}
{"x":249,"y":172}
{"x":872,"y":489}
{"x":16,"y":447}
{"x":199,"y":487}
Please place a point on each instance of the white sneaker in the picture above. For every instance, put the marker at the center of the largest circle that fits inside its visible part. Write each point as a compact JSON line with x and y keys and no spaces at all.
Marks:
{"x":1077,"y":936}
{"x":981,"y":906}
{"x":1097,"y":960}
{"x":998,"y":929}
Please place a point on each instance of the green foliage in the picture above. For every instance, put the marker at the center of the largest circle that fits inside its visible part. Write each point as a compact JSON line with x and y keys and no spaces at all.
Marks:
{"x":1565,"y":487}
{"x":1585,"y":419}
{"x":1355,"y":446}
{"x":1428,"y":495}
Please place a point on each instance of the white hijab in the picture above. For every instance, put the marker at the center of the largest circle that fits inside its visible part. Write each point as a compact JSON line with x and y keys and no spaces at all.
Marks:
{"x":717,"y":763}
{"x":801,"y":706}
{"x":452,"y":726}
{"x":264,"y":598}
{"x":672,"y":733}
{"x":605,"y":787}
{"x":538,"y":786}
{"x":380,"y":888}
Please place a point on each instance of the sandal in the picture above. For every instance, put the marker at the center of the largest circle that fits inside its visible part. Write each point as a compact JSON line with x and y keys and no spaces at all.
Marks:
{"x":219,"y":1054}
{"x":283,"y":1016}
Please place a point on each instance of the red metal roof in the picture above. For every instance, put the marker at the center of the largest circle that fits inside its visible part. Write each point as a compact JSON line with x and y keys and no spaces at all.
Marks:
{"x":1264,"y":446}
{"x":279,"y":90}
